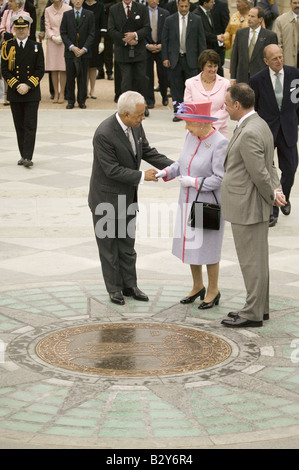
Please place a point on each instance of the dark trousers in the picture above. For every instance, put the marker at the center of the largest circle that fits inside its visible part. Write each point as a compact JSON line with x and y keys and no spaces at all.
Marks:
{"x":162,"y":73}
{"x":133,"y":77}
{"x":25,"y":120}
{"x":106,"y":58}
{"x":72,"y":75}
{"x":178,"y":76}
{"x":287,"y":162}
{"x":117,"y":255}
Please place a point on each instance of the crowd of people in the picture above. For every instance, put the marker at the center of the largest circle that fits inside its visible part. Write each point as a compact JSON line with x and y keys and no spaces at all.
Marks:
{"x":186,"y":44}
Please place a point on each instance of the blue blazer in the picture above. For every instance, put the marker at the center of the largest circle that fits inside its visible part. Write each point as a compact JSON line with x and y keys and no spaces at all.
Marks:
{"x":84,"y":32}
{"x":266,"y":105}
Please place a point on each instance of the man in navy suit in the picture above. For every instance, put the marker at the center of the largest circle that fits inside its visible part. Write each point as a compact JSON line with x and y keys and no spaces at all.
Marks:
{"x":154,"y":55}
{"x":276,"y":102}
{"x":181,"y":57}
{"x":77,"y":31}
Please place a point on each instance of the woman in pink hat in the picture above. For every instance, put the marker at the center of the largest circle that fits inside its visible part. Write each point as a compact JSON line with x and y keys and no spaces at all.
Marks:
{"x":202,"y":157}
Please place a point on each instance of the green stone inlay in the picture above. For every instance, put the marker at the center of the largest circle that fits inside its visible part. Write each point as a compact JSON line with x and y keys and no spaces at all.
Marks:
{"x":170,"y":432}
{"x":38,"y":417}
{"x":124,"y":433}
{"x":69,"y":431}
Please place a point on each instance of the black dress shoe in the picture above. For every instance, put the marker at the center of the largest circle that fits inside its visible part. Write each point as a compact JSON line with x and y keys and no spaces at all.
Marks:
{"x":21,"y":161}
{"x":82,"y":105}
{"x":191,"y":298}
{"x":117,"y":298}
{"x":150,"y":106}
{"x":215,"y":301}
{"x":165,"y":101}
{"x":239,"y":322}
{"x":69,"y":106}
{"x":109,"y":76}
{"x":27,"y":163}
{"x":136,"y":293}
{"x":286,"y":210}
{"x":146,"y":112}
{"x":176,"y":119}
{"x":273,"y":221}
{"x":235,"y":314}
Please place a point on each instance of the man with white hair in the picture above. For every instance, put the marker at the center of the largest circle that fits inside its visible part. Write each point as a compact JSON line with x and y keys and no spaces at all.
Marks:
{"x":119,"y":146}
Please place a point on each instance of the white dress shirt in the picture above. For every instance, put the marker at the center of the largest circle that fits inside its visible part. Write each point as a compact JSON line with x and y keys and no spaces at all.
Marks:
{"x":257,"y":32}
{"x":124,"y":128}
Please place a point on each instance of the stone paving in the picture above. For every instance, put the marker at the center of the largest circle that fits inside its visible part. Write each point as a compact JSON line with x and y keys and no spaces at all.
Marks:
{"x":51,"y":280}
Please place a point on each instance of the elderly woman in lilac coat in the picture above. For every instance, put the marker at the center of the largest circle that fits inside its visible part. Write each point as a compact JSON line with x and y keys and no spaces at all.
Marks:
{"x":203,"y":156}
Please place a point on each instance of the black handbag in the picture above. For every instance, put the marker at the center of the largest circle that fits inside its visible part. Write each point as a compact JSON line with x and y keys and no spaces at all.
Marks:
{"x":210,"y":213}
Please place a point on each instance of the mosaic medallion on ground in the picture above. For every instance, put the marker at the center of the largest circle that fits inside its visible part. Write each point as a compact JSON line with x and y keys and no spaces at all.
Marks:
{"x":132,"y":349}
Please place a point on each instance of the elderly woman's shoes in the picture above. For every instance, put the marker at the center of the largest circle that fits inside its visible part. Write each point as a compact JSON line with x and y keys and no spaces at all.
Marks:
{"x":215,"y":301}
{"x":191,"y":298}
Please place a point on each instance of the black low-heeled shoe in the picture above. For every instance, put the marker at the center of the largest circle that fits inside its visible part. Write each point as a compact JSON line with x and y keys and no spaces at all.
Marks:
{"x":205,"y":305}
{"x":190,"y":300}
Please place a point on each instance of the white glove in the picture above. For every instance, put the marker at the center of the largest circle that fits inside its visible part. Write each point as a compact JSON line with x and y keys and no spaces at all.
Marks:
{"x":57,"y":39}
{"x":187,"y":181}
{"x":101,"y":47}
{"x":161,"y":174}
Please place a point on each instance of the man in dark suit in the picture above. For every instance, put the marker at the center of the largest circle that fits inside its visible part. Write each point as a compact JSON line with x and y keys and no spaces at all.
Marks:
{"x":277,"y":104}
{"x":128,"y":25}
{"x":30,"y":8}
{"x":247,"y":54}
{"x":220,"y":14}
{"x":22,"y":66}
{"x":183,"y":39}
{"x":214,"y":41}
{"x":172,"y":6}
{"x":154,"y":54}
{"x":204,"y":11}
{"x":77,"y":31}
{"x":119,"y":146}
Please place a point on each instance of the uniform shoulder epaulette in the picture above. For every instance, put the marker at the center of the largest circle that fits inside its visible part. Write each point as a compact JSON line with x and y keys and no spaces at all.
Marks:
{"x":10,"y":56}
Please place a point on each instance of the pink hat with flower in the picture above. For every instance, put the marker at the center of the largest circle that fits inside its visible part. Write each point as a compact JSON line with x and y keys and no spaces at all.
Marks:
{"x":196,"y":112}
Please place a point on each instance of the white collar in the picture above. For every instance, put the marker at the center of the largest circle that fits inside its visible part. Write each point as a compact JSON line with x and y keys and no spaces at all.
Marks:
{"x":245,"y":117}
{"x":122,"y":125}
{"x":272,"y":73}
{"x":181,"y":16}
{"x":23,"y":41}
{"x":257,"y":30}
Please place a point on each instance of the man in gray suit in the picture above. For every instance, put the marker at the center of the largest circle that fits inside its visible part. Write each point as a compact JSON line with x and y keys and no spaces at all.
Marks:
{"x":248,"y":194}
{"x":119,"y":146}
{"x":247,"y":54}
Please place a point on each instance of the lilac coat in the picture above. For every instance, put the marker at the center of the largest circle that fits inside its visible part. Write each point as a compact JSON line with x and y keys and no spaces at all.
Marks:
{"x":199,"y":158}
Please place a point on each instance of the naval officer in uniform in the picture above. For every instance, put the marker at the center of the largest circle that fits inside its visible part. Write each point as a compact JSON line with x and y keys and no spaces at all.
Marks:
{"x":22,"y":66}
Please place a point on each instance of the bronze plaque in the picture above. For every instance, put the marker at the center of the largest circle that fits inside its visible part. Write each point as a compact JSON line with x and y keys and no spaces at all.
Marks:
{"x":132,"y":349}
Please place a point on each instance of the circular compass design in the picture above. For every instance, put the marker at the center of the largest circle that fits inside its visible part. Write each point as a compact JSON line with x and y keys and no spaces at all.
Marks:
{"x":132,"y":349}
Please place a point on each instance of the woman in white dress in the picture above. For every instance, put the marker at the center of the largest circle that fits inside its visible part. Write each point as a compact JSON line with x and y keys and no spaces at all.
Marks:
{"x":202,"y":157}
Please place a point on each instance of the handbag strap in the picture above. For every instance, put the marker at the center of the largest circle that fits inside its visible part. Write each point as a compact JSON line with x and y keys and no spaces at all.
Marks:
{"x":202,"y":182}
